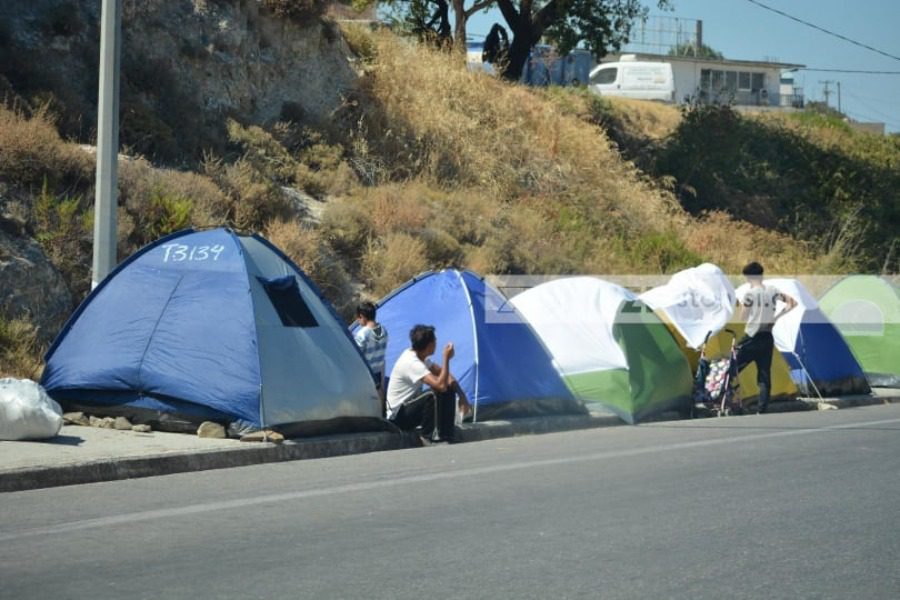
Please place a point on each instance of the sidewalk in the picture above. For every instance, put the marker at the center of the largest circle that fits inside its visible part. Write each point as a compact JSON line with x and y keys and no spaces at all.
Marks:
{"x":88,"y":454}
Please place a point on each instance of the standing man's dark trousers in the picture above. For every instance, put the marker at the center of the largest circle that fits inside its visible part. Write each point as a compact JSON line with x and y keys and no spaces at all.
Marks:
{"x":422,"y":410}
{"x":758,"y":349}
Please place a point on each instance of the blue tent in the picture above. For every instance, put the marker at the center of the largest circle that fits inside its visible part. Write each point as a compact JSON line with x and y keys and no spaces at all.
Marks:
{"x":821,"y":363}
{"x":500,"y":363}
{"x":211,"y":325}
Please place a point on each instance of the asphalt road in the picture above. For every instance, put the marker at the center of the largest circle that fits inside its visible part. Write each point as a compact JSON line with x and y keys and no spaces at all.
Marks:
{"x":796,"y":505}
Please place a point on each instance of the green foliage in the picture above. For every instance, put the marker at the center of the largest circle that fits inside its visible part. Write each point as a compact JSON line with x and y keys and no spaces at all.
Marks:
{"x":262,"y":151}
{"x":602,"y":25}
{"x":301,"y":11}
{"x":689,"y":49}
{"x":661,"y":252}
{"x":63,"y":228}
{"x":826,"y":185}
{"x":359,"y":39}
{"x":164,"y":213}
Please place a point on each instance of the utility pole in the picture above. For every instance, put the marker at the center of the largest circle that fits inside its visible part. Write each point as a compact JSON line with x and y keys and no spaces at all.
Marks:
{"x":839,"y":97}
{"x":826,"y":91}
{"x":105,"y":199}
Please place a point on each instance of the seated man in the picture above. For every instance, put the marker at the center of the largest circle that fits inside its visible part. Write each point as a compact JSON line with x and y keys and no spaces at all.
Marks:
{"x":409,"y":405}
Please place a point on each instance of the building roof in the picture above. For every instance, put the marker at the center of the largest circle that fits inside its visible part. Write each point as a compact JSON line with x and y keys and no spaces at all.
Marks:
{"x":712,"y":62}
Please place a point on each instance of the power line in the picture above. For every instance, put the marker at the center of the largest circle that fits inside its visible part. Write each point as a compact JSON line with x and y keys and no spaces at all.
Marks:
{"x":823,"y":30}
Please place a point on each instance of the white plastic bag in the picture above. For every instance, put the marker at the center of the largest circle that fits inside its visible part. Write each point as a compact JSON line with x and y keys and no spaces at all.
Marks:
{"x":27,"y":412}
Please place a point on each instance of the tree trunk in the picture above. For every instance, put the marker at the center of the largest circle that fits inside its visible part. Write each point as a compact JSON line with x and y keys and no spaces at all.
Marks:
{"x":519,"y":50}
{"x":459,"y":29}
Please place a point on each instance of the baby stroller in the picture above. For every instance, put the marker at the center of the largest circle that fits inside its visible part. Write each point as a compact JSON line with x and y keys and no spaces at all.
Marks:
{"x":716,"y":386}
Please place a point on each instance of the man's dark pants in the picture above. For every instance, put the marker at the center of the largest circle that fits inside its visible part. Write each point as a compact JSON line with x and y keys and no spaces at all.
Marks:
{"x":421,"y":411}
{"x":758,"y":349}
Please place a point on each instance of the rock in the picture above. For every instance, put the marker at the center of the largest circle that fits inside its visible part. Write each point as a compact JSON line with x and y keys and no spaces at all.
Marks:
{"x":826,"y":406}
{"x":263,"y":436}
{"x":103,"y":423}
{"x":30,"y":287}
{"x":122,"y":424}
{"x":76,"y":418}
{"x":141,"y":428}
{"x":208,"y":429}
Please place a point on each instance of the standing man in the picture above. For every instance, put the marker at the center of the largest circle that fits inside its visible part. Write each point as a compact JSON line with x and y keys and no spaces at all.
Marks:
{"x":758,"y":311}
{"x":409,"y":404}
{"x":372,"y":339}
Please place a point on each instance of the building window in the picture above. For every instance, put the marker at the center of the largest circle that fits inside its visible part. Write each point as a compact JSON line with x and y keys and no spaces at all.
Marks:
{"x":758,"y":81}
{"x":731,"y":81}
{"x":718,"y":80}
{"x":744,"y":81}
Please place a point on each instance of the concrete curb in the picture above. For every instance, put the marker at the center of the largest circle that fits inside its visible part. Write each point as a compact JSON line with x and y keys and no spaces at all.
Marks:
{"x":202,"y":460}
{"x":111,"y":469}
{"x":22,"y":479}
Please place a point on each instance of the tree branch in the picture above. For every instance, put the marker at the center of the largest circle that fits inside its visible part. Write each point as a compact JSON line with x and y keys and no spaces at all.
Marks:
{"x":513,"y":19}
{"x":482,"y":4}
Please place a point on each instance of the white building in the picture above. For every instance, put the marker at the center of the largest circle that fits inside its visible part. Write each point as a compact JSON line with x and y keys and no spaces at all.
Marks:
{"x":740,"y":82}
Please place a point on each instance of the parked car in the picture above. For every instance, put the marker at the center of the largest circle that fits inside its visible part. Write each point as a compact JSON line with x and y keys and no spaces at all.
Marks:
{"x":630,"y":78}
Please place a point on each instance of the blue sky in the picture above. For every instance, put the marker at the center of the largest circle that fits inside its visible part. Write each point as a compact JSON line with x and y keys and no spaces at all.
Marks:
{"x":742,"y":30}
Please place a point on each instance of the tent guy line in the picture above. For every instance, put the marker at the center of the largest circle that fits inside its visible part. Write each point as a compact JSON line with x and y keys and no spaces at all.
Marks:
{"x":130,"y":519}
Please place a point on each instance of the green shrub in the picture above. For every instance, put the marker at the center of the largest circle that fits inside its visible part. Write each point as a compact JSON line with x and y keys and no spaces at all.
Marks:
{"x":393,"y":260}
{"x":301,"y":11}
{"x":163,"y":214}
{"x":63,"y":227}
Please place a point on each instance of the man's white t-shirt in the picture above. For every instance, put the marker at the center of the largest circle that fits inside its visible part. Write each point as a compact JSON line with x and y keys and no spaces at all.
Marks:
{"x":760,"y":303}
{"x":406,"y":380}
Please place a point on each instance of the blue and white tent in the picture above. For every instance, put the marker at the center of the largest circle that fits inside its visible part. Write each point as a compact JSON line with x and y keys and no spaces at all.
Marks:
{"x":821,"y":363}
{"x":211,"y":325}
{"x":500,"y":363}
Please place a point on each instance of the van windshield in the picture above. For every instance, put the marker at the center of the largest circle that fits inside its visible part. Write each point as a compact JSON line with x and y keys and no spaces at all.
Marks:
{"x":604,"y":76}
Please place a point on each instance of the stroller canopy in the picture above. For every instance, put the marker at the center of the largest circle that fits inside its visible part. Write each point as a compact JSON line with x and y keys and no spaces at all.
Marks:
{"x":500,"y":363}
{"x":608,"y":346}
{"x":210,"y":325}
{"x":866,"y":310}
{"x":820,"y":360}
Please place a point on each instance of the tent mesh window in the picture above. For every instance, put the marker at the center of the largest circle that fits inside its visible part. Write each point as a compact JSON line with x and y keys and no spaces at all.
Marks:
{"x":285,"y":297}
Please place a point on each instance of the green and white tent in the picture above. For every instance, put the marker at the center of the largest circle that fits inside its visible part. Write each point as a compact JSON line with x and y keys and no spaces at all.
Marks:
{"x":608,"y":346}
{"x":866,"y":310}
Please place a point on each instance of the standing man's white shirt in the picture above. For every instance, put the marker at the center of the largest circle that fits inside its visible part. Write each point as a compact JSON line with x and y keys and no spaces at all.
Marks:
{"x":406,"y":380}
{"x":760,"y":304}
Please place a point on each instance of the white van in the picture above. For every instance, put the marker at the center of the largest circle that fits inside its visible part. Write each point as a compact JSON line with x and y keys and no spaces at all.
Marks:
{"x":630,"y":78}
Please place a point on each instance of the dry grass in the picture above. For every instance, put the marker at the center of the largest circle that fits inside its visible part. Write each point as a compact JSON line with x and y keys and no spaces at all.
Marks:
{"x":307,"y":249}
{"x":31,"y":152}
{"x":647,"y":119}
{"x":732,"y":244}
{"x":393,"y":259}
{"x":20,"y":352}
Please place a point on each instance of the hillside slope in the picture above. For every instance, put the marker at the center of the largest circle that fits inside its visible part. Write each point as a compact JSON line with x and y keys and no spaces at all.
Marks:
{"x":423,"y":165}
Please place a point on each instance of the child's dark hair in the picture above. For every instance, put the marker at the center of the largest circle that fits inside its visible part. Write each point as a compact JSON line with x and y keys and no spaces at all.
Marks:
{"x":366,"y":310}
{"x":753,"y":269}
{"x":420,"y":336}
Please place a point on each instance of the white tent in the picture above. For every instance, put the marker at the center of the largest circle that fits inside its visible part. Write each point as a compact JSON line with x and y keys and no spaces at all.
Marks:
{"x":608,"y":346}
{"x":697,"y":301}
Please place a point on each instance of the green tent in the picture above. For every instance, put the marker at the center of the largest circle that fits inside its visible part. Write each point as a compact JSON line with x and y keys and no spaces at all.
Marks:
{"x":608,"y":346}
{"x":866,"y":310}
